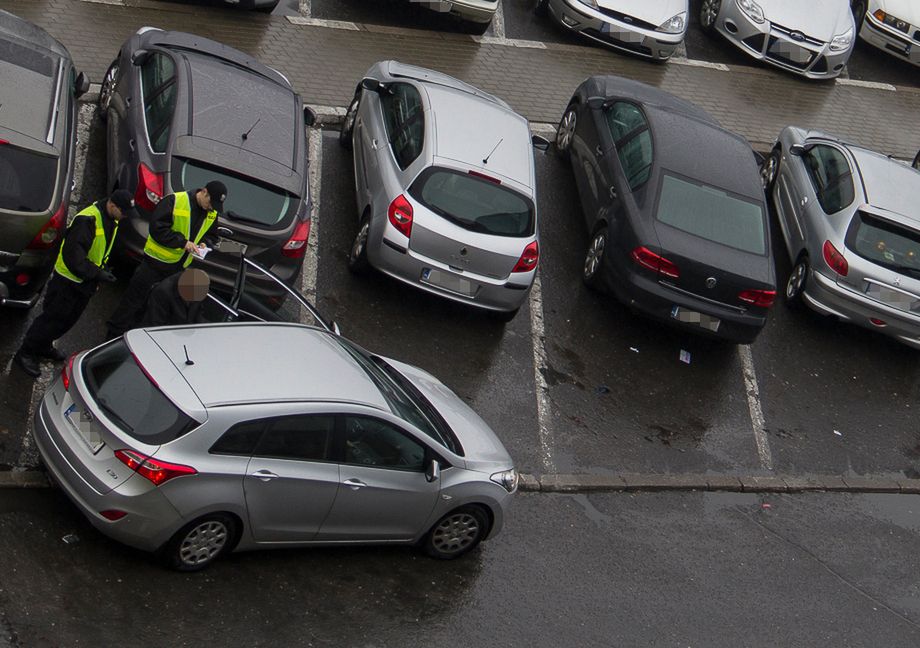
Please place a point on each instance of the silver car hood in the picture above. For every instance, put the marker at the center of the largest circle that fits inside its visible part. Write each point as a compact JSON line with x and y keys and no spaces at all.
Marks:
{"x":822,"y":19}
{"x":482,"y":449}
{"x":908,"y":10}
{"x":651,"y":11}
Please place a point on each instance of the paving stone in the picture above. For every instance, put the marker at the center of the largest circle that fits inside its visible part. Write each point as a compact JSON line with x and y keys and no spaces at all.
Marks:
{"x":528,"y":482}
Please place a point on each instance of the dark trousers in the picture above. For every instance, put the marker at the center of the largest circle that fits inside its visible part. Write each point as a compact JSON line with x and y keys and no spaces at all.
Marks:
{"x":65,"y":301}
{"x":134,"y":301}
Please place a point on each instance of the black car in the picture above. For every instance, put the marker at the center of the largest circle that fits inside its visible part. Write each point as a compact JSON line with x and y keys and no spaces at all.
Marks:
{"x":182,"y":110}
{"x":674,"y":206}
{"x":38,"y":126}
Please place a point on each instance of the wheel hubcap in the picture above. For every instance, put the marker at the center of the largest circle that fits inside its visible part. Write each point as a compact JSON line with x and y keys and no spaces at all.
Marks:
{"x":595,"y":253}
{"x":108,"y":85}
{"x":566,"y":131}
{"x":203,"y":543}
{"x":455,"y":533}
{"x":350,"y":117}
{"x":796,"y":279}
{"x":709,"y":12}
{"x":360,"y":241}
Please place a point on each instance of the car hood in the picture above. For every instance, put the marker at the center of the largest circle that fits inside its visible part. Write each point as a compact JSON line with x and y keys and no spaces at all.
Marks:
{"x":821,"y":19}
{"x":651,"y":11}
{"x":908,"y":10}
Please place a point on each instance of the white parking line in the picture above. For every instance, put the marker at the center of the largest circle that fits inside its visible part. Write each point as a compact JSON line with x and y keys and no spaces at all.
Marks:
{"x":305,"y":8}
{"x":310,"y":263}
{"x":703,"y":64}
{"x":538,"y":335}
{"x":874,"y":85}
{"x":753,"y":397}
{"x":509,"y":42}
{"x":498,"y":22}
{"x":318,"y":22}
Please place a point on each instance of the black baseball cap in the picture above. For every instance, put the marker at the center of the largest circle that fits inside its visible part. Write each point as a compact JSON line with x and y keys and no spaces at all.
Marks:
{"x":217,"y":190}
{"x":124,"y":201}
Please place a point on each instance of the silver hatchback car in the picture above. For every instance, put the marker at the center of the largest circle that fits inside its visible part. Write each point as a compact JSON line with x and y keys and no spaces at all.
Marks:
{"x":196,"y":441}
{"x":850,"y":223}
{"x":445,"y":183}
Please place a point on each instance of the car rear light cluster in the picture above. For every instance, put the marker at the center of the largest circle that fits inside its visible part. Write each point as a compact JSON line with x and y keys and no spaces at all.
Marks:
{"x":158,"y":472}
{"x":648,"y":259}
{"x":835,"y":260}
{"x":762,"y":298}
{"x":296,"y":247}
{"x":149,"y":188}
{"x":67,"y":372}
{"x":529,"y":258}
{"x":51,"y":231}
{"x":400,"y":215}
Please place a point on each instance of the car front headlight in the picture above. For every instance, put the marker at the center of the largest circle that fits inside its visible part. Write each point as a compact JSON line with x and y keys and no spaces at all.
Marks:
{"x":892,"y":21}
{"x":842,"y":42}
{"x":752,"y":9}
{"x":507,"y":479}
{"x":590,"y":3}
{"x":675,"y":24}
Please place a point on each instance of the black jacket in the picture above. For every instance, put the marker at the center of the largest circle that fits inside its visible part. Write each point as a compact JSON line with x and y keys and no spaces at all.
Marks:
{"x":161,"y":226}
{"x":78,"y":241}
{"x":166,"y":307}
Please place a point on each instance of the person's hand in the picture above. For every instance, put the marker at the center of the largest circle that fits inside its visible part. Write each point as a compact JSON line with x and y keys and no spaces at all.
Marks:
{"x":107,"y":276}
{"x":191,"y":248}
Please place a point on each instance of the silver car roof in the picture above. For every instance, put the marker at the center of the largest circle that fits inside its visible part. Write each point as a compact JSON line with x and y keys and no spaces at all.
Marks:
{"x":890,"y":185}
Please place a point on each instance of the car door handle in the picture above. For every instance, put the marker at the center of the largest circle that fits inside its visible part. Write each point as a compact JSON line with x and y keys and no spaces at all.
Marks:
{"x":374,"y":144}
{"x":599,"y":151}
{"x":354,"y":484}
{"x":131,"y":145}
{"x":264,"y":475}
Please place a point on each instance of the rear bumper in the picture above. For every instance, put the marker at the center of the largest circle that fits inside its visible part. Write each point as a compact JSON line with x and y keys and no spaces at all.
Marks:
{"x":480,"y":11}
{"x":895,"y":43}
{"x":33,"y":267}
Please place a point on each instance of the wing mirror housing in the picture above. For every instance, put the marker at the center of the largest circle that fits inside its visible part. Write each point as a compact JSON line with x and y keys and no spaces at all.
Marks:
{"x":375,"y":86}
{"x":309,"y":116}
{"x":539,"y":143}
{"x":433,"y":471}
{"x":140,"y":57}
{"x":81,"y":85}
{"x":597,"y":103}
{"x":797,"y":150}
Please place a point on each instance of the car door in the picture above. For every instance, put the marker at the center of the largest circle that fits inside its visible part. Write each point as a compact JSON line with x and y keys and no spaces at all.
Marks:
{"x":829,"y":189}
{"x":383,"y":494}
{"x":586,"y":153}
{"x":290,"y":481}
{"x":628,"y":134}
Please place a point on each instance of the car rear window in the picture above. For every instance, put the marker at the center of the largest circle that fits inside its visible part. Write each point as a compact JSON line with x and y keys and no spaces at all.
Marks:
{"x":27,"y":179}
{"x":474,"y":203}
{"x":713,"y":214}
{"x":247,"y":200}
{"x":120,"y":387}
{"x":885,"y":243}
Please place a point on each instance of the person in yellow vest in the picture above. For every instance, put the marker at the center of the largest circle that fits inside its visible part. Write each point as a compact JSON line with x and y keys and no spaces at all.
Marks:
{"x":80,"y":266}
{"x":181,"y":225}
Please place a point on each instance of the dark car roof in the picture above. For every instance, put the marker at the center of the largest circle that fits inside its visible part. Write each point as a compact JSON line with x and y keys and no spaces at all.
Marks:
{"x":613,"y":86}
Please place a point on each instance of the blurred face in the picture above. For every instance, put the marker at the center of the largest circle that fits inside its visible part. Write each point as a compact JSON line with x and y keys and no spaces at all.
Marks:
{"x":114,"y":211}
{"x":194,"y":285}
{"x":204,"y":200}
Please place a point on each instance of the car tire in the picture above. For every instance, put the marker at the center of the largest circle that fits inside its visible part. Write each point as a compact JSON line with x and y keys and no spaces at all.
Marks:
{"x":859,"y":14}
{"x":709,"y":13}
{"x":795,"y":284}
{"x":916,"y":162}
{"x":566,"y":131}
{"x":357,"y":256}
{"x":348,"y":123}
{"x":457,"y":533}
{"x":542,"y":8}
{"x":107,"y":89}
{"x":769,"y":169}
{"x":594,"y":259}
{"x":201,"y":542}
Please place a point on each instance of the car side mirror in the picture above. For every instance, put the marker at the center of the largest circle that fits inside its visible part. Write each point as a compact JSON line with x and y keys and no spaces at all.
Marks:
{"x":374,"y":86}
{"x":140,"y":57}
{"x":539,"y":143}
{"x":433,"y":471}
{"x":797,"y":150}
{"x":81,"y":85}
{"x":309,"y":116}
{"x":597,"y":103}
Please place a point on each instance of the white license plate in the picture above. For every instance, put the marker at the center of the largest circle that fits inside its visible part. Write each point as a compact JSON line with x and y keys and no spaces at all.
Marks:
{"x":83,"y":424}
{"x":895,"y":298}
{"x":448,"y":281}
{"x":702,"y":320}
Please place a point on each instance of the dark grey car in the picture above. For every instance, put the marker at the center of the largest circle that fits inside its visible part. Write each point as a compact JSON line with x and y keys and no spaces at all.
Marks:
{"x":674,"y":206}
{"x":38,"y":126}
{"x":182,"y":110}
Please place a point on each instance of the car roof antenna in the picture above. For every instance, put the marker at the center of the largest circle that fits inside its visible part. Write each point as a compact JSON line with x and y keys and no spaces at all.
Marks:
{"x":485,"y":160}
{"x":246,"y":134}
{"x":188,"y":360}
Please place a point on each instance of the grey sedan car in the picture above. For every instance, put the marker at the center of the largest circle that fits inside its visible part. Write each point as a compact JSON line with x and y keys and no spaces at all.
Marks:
{"x":446,"y":188}
{"x":300,"y":438}
{"x":849,"y":220}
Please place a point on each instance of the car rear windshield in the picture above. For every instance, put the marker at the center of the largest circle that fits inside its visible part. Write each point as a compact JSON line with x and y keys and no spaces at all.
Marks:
{"x":474,"y":202}
{"x":713,"y":214}
{"x":27,"y":179}
{"x":885,"y":243}
{"x":247,"y":200}
{"x":122,"y":390}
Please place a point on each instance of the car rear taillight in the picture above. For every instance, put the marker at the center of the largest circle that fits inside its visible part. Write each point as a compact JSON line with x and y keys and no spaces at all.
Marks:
{"x":67,"y":372}
{"x":149,"y":188}
{"x":50,"y":232}
{"x":400,"y":215}
{"x":762,"y":298}
{"x":296,"y":247}
{"x":648,"y":259}
{"x":112,"y":514}
{"x":529,"y":258}
{"x":835,"y":260}
{"x":158,"y":472}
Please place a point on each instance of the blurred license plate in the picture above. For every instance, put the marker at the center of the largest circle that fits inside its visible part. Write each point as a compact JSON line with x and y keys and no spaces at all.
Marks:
{"x":702,"y":320}
{"x":447,"y":281}
{"x":896,"y":298}
{"x":83,"y":424}
{"x":791,"y":52}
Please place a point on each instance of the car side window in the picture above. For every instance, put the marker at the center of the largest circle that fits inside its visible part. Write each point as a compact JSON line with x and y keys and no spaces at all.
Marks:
{"x":372,"y":442}
{"x":830,"y":176}
{"x":158,"y":85}
{"x":241,"y":439}
{"x":307,"y":437}
{"x":404,"y":118}
{"x":633,"y":141}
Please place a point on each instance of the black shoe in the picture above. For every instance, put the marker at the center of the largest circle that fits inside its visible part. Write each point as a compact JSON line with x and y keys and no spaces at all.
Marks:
{"x":52,"y":353}
{"x":28,"y":363}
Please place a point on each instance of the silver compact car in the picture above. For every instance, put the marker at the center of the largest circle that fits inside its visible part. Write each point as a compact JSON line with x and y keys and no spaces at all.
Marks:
{"x":478,"y":13}
{"x":850,"y":223}
{"x":813,"y":39}
{"x":302,"y":438}
{"x":890,"y":25}
{"x":653,"y":29}
{"x":445,"y":184}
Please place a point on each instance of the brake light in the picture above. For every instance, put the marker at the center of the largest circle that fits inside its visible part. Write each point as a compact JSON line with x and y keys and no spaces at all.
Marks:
{"x":158,"y":472}
{"x":49,"y":234}
{"x":762,"y":298}
{"x":529,"y":258}
{"x":835,"y":260}
{"x":23,"y":279}
{"x":149,"y":188}
{"x":483,"y":176}
{"x":112,"y":514}
{"x":296,"y":247}
{"x":648,"y":259}
{"x":3,"y":141}
{"x":400,"y":215}
{"x":67,"y":372}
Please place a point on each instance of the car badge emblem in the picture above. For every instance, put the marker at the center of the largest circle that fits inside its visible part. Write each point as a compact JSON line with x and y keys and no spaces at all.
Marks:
{"x":711,"y":283}
{"x":897,"y":282}
{"x":797,"y":36}
{"x":463,"y":251}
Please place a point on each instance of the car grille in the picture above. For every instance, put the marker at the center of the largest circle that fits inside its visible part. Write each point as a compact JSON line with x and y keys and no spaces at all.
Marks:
{"x":632,"y":47}
{"x":625,"y":18}
{"x":788,"y":32}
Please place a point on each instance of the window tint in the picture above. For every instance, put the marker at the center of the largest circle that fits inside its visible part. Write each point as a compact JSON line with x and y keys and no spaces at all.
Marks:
{"x":241,"y":439}
{"x":623,"y":118}
{"x":830,"y":174}
{"x":405,"y":123}
{"x":372,"y":442}
{"x":887,"y":244}
{"x":27,"y":179}
{"x":158,"y":85}
{"x":633,"y":141}
{"x":298,"y":437}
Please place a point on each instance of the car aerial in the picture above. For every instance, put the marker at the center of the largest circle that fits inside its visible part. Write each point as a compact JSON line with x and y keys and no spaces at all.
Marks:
{"x":813,"y":39}
{"x":849,"y":220}
{"x":181,"y":111}
{"x":653,"y":29}
{"x":38,"y":126}
{"x":445,"y":183}
{"x":674,"y":208}
{"x":166,"y":446}
{"x":890,"y":25}
{"x":478,"y":14}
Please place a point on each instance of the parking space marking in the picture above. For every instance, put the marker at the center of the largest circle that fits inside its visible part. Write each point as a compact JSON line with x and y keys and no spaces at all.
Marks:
{"x":538,"y":335}
{"x":117,"y":3}
{"x":703,"y":64}
{"x":498,"y":22}
{"x":310,"y":263}
{"x":753,"y":397}
{"x":305,"y":8}
{"x":509,"y":42}
{"x":873,"y":85}
{"x":319,"y":22}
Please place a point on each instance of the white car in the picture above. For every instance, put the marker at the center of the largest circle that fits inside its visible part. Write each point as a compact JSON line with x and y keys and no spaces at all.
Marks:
{"x":890,"y":25}
{"x":478,"y":13}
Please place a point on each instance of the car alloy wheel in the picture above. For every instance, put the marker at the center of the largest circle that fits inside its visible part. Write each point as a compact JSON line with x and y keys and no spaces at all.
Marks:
{"x":348,"y":124}
{"x":566,"y":132}
{"x":203,"y":543}
{"x":457,"y":533}
{"x":709,"y":13}
{"x":108,"y":88}
{"x":357,"y":258}
{"x":768,"y":170}
{"x":594,"y":258}
{"x":795,"y":286}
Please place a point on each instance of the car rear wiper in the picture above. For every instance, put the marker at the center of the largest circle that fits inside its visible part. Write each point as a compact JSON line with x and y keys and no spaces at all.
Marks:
{"x":235,"y":216}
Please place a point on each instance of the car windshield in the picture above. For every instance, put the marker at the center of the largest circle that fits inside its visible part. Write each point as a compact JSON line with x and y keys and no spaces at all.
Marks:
{"x":247,"y":200}
{"x":885,"y":243}
{"x":474,"y":202}
{"x":712,"y":214}
{"x":123,"y":391}
{"x":27,"y":179}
